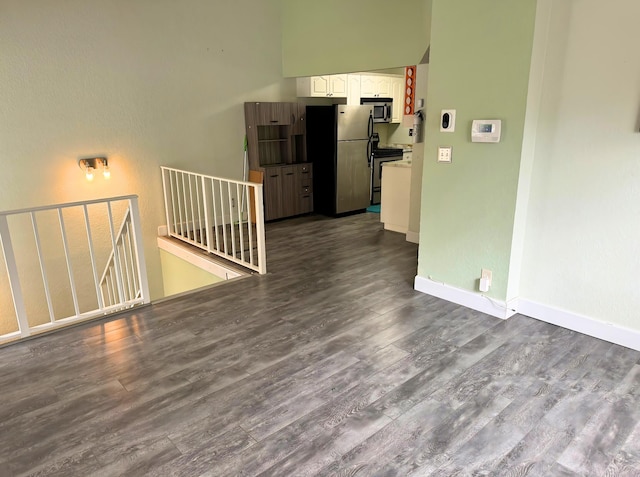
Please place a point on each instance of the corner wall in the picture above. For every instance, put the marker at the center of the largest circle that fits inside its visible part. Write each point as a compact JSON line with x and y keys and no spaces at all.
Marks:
{"x":479,"y":65}
{"x":581,"y":245}
{"x":146,"y":83}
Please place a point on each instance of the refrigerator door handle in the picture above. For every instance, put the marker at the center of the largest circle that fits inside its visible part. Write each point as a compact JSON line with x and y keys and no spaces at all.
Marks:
{"x":370,"y":126}
{"x":369,"y":153}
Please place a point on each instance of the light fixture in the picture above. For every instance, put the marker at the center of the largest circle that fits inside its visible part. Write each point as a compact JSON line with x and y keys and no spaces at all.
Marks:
{"x":90,"y":164}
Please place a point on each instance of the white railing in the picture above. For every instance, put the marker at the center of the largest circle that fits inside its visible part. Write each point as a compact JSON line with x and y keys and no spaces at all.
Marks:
{"x":222,"y":216}
{"x":53,"y":255}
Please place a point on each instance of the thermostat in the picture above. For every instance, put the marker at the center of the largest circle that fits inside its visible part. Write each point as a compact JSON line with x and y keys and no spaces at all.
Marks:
{"x":486,"y":130}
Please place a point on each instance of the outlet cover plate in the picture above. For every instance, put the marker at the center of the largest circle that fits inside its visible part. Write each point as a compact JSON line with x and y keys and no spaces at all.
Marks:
{"x":486,"y":274}
{"x":444,"y":153}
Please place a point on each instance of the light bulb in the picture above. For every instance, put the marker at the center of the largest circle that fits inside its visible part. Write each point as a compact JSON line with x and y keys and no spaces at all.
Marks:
{"x":106,"y":172}
{"x":89,"y":173}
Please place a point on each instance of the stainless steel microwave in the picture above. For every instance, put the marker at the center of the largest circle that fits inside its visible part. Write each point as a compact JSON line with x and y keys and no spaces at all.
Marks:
{"x":382,"y":108}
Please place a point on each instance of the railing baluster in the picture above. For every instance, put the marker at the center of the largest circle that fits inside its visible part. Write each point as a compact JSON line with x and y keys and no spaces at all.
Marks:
{"x":249,"y":223}
{"x":215,"y":214}
{"x":240,"y":200}
{"x":92,"y":256}
{"x":67,"y":255}
{"x":224,"y":222}
{"x":203,"y":234}
{"x":185,"y":206}
{"x":174,"y":228}
{"x":116,"y":258}
{"x":206,"y":214}
{"x":43,"y":271}
{"x":14,"y":279}
{"x":166,"y":201}
{"x":137,"y":238}
{"x":131,"y":258}
{"x":231,"y":220}
{"x":193,"y":218}
{"x":262,"y":252}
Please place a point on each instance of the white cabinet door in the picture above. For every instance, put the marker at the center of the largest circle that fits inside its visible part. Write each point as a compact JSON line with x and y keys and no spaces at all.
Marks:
{"x":338,"y":86}
{"x":320,"y":85}
{"x":375,"y":86}
{"x":397,"y":90}
{"x":353,"y":90}
{"x":368,"y":86}
{"x":383,"y":87}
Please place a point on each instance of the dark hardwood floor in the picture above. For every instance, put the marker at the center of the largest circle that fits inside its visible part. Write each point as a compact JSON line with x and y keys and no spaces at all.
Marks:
{"x":330,"y":365}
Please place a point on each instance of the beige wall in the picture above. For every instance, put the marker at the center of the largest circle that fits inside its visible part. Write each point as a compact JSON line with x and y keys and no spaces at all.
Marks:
{"x":146,"y":83}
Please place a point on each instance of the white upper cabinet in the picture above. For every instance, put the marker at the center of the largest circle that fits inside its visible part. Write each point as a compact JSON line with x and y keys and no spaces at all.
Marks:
{"x":322,"y":86}
{"x":375,"y":86}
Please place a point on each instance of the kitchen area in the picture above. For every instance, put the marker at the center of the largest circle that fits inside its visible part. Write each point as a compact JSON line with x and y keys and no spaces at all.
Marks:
{"x":344,"y":147}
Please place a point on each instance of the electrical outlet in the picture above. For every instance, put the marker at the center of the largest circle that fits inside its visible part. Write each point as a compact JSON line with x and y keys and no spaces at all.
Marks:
{"x":486,"y":274}
{"x":444,"y":154}
{"x":233,"y":202}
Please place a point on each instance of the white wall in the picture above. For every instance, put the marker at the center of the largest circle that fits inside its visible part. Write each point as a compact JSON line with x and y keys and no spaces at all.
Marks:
{"x":146,"y":83}
{"x":582,"y":243}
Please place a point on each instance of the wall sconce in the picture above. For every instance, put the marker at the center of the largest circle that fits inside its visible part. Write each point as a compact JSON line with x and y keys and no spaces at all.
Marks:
{"x":90,"y":165}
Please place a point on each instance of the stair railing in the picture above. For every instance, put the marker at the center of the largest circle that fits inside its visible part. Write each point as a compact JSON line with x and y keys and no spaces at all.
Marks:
{"x":52,"y":256}
{"x":221,"y":216}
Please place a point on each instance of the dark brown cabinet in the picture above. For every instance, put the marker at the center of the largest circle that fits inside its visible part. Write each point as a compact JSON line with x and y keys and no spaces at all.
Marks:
{"x":277,"y":146}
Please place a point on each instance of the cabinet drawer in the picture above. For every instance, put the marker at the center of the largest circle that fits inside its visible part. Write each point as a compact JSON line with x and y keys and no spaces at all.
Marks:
{"x":306,"y":189}
{"x":305,"y":168}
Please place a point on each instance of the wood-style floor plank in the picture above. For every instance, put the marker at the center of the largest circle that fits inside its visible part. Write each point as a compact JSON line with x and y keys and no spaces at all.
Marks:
{"x":329,"y":365}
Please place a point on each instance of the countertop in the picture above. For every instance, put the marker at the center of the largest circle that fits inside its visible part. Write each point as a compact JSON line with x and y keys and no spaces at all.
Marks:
{"x":402,"y":163}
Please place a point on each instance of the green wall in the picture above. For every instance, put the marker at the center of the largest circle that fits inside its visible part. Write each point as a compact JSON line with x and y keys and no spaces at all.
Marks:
{"x":179,"y":276}
{"x":479,"y":65}
{"x":337,"y":36}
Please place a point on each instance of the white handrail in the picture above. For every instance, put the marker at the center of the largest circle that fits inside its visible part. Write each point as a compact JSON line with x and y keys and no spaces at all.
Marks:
{"x":63,"y":288}
{"x":208,"y":212}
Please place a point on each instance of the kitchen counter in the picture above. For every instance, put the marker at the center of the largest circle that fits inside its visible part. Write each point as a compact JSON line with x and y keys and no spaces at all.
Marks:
{"x":401,"y":163}
{"x":395,"y":196}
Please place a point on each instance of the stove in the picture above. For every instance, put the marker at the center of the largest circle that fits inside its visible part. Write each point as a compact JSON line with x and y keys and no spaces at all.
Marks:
{"x":380,"y":155}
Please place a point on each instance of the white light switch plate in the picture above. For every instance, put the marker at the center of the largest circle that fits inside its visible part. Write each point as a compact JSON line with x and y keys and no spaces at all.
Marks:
{"x":444,"y":154}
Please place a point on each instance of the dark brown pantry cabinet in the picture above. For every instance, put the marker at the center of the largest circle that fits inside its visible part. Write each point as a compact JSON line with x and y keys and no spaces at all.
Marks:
{"x":277,"y":146}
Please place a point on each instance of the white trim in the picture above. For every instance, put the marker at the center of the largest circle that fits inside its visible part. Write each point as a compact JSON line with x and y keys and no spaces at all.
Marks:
{"x":583,"y":324}
{"x":200,"y":260}
{"x":413,"y":237}
{"x":475,"y":301}
{"x":395,"y":228}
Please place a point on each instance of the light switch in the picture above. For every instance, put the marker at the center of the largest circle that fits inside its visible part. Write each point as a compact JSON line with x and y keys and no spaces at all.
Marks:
{"x":444,"y":154}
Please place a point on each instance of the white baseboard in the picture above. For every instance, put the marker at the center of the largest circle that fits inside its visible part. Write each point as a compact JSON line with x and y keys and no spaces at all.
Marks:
{"x":198,"y":259}
{"x":475,"y":301}
{"x":413,"y":237}
{"x":580,"y":323}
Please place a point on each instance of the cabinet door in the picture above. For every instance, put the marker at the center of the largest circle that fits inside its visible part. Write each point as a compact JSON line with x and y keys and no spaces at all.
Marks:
{"x":289,"y":193}
{"x":397,"y":90}
{"x":368,"y":86}
{"x":320,"y":85}
{"x":338,"y":86}
{"x":299,"y":117}
{"x":353,"y":90}
{"x":273,"y":193}
{"x":273,"y":114}
{"x":383,"y":87}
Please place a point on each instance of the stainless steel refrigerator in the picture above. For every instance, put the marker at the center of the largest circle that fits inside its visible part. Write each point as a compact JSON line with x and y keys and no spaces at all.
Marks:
{"x":338,"y":146}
